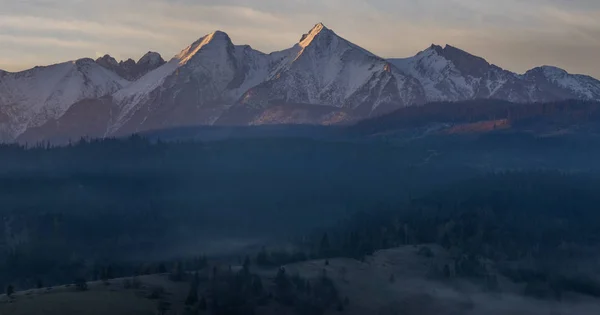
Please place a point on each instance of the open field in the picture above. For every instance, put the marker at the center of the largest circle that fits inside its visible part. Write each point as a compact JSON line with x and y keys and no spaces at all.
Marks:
{"x":395,"y":281}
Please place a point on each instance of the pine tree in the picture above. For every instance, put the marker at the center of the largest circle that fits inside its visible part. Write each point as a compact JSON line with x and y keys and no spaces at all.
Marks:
{"x":446,"y":271}
{"x":246,"y":265}
{"x":257,"y":286}
{"x":109,"y":272}
{"x":162,"y":268}
{"x":103,"y":275}
{"x":281,"y":280}
{"x":192,"y":297}
{"x":203,"y":262}
{"x":262,"y":258}
{"x":215,"y":271}
{"x":81,"y":284}
{"x":196,"y":279}
{"x":340,"y":307}
{"x":324,"y":248}
{"x":10,"y":290}
{"x":202,"y":305}
{"x":177,"y":274}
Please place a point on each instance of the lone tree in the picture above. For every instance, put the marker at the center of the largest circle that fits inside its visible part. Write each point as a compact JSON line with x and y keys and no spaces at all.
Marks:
{"x":81,"y":284}
{"x":10,"y":290}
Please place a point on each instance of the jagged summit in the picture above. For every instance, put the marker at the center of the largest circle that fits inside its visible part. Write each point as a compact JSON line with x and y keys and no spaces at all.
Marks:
{"x":219,"y":34}
{"x":214,"y":39}
{"x":548,"y":70}
{"x":107,"y":61}
{"x":84,"y":61}
{"x":322,"y":38}
{"x":151,"y":58}
{"x":326,"y":69}
{"x":309,"y":37}
{"x":435,"y":47}
{"x":456,"y":55}
{"x":129,"y":69}
{"x":320,"y":25}
{"x":450,"y":73}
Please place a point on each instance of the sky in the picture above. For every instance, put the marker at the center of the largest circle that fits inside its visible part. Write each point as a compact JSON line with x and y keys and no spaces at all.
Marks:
{"x":514,"y":34}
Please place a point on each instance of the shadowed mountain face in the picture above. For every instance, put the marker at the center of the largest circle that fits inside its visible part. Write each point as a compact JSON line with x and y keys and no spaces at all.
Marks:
{"x":578,"y":118}
{"x":323,"y":79}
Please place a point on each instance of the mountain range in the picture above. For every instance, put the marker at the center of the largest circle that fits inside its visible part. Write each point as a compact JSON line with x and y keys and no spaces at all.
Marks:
{"x":323,"y":79}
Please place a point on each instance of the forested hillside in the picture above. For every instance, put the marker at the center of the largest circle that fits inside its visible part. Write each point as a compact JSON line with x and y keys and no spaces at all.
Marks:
{"x":70,"y":210}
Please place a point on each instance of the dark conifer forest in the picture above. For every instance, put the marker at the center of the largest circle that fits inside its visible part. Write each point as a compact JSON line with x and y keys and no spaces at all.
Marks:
{"x":99,"y":209}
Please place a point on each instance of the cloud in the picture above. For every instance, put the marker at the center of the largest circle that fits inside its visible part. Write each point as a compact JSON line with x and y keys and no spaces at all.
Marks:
{"x":31,"y":41}
{"x":516,"y":34}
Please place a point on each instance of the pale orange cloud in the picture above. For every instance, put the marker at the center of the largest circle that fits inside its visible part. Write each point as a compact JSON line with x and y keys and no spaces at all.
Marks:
{"x":516,"y":34}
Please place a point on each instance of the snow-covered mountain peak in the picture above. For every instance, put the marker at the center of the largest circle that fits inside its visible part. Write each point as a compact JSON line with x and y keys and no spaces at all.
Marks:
{"x":323,"y":42}
{"x":465,"y":62}
{"x":213,"y":41}
{"x":549,"y":71}
{"x":107,"y":61}
{"x":434,"y":48}
{"x":32,"y":97}
{"x":213,"y":81}
{"x":449,"y":73}
{"x":319,"y":30}
{"x":572,"y":85}
{"x":459,"y":57}
{"x":326,"y":69}
{"x":129,"y":69}
{"x":84,"y":62}
{"x":152,"y":59}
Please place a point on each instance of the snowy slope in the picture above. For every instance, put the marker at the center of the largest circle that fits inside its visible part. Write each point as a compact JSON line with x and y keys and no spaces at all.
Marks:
{"x":32,"y":97}
{"x":451,"y":74}
{"x":195,"y":87}
{"x":548,"y":83}
{"x":325,"y":69}
{"x":322,"y":79}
